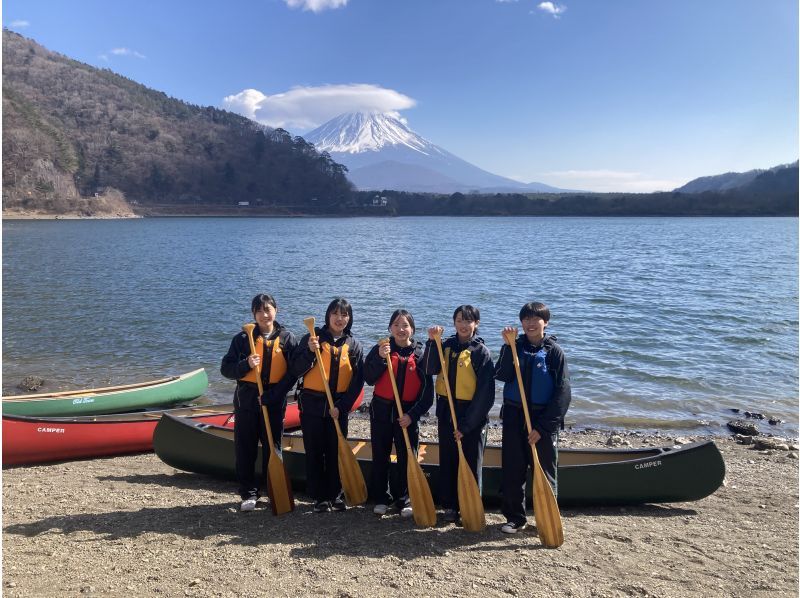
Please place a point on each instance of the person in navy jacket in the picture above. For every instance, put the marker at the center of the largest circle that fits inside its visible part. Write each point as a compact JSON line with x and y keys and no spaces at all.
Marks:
{"x":547,"y":390}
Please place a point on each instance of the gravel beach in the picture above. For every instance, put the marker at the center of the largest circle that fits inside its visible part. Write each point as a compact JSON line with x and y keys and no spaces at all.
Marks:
{"x":134,"y":526}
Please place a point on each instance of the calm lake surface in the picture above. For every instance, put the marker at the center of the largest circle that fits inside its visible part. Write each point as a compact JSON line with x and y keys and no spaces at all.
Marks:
{"x":667,"y":323}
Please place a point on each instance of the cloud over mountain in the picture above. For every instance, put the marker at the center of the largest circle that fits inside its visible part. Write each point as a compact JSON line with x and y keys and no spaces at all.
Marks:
{"x":304,"y":108}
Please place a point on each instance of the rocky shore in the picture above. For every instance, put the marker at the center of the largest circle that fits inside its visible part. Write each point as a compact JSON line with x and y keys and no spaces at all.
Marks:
{"x":132,"y":526}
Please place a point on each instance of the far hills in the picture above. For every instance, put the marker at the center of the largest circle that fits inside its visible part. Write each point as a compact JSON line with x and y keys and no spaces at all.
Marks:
{"x":85,"y":141}
{"x":71,"y":130}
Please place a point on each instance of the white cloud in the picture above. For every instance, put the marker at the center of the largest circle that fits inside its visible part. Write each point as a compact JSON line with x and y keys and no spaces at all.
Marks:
{"x":127,"y":52}
{"x":316,"y":5}
{"x":606,"y":181}
{"x":19,"y":24}
{"x":552,"y":8}
{"x":304,"y":108}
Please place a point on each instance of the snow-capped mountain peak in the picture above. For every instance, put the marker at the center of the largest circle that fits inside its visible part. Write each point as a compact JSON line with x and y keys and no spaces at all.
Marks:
{"x":357,"y":132}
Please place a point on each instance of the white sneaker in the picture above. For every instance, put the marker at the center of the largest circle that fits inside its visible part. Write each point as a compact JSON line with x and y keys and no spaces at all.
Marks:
{"x":512,"y":527}
{"x":406,"y":512}
{"x":380,"y":509}
{"x":249,"y":504}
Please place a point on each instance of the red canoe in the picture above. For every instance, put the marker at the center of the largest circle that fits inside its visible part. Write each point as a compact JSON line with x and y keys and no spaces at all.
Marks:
{"x":47,"y":439}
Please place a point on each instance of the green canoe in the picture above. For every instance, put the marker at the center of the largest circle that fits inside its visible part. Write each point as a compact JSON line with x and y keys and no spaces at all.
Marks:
{"x":112,"y":399}
{"x":586,"y":477}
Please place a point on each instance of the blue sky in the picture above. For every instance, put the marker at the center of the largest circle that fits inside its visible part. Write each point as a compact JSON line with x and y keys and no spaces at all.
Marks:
{"x":607,"y":95}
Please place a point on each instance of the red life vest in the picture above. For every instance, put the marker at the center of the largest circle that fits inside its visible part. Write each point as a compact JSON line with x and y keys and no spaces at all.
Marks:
{"x":409,"y":383}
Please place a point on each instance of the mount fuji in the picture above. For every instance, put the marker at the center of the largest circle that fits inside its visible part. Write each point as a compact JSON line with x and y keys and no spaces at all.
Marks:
{"x":381,"y":152}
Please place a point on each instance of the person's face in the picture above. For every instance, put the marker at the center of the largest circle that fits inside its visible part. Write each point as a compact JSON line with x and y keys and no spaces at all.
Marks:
{"x":265,"y":317}
{"x":534,"y":328}
{"x":337,"y":322}
{"x":401,"y":330}
{"x":465,"y":328}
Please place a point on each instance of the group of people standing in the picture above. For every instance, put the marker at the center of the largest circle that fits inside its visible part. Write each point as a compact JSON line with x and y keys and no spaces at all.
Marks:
{"x":285,"y":361}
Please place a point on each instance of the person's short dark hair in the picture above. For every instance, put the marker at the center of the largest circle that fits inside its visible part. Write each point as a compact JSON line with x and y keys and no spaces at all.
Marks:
{"x":468,"y":313}
{"x":262,"y":300}
{"x":341,"y":305}
{"x":535,"y":309}
{"x":407,"y":315}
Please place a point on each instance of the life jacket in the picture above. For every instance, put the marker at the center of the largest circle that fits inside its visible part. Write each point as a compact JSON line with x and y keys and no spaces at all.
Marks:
{"x":273,"y":366}
{"x":539,"y":385}
{"x":338,"y":368}
{"x":406,"y":376}
{"x":460,"y":371}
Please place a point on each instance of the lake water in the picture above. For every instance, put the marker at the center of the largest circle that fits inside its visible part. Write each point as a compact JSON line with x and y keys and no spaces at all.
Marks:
{"x":667,"y":323}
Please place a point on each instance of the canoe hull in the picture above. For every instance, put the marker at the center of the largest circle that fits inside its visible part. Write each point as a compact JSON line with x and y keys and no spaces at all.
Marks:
{"x":177,"y":390}
{"x":586,"y":478}
{"x":43,"y":440}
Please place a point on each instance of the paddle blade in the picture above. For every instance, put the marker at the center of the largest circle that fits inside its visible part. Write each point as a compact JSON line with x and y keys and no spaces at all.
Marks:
{"x":309,"y":322}
{"x":278,"y":486}
{"x":545,"y":507}
{"x":420,"y":494}
{"x":470,"y":503}
{"x":355,"y":489}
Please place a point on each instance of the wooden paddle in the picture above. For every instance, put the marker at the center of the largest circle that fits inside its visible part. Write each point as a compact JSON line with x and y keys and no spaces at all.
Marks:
{"x":418,"y":489}
{"x":278,"y":485}
{"x":545,"y":507}
{"x":355,"y":489}
{"x":470,"y":503}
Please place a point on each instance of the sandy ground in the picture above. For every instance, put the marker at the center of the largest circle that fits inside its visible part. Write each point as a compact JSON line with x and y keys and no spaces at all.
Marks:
{"x":134,"y":526}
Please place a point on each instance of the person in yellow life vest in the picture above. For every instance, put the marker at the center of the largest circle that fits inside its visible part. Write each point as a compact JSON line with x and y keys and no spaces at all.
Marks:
{"x":471,"y":375}
{"x":343,"y":359}
{"x":416,"y":397}
{"x":274,"y":348}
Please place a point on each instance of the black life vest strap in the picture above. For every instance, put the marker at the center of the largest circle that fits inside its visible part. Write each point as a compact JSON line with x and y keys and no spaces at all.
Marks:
{"x":333,"y":375}
{"x":266,"y":367}
{"x":452,"y":370}
{"x":402,"y":366}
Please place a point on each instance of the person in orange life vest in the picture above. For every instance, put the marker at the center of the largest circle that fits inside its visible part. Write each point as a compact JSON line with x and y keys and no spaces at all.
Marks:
{"x":471,"y":376}
{"x":416,"y":395}
{"x":547,"y":389}
{"x":274,"y":348}
{"x":343,"y":359}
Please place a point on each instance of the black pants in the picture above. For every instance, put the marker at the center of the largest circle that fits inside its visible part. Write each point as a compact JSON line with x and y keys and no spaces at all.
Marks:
{"x":248,"y":430}
{"x":322,"y":455}
{"x":517,"y":458}
{"x":472,"y":445}
{"x":385,"y":431}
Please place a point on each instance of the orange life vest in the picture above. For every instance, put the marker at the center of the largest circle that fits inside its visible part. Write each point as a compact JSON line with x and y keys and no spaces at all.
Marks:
{"x":408,"y":384}
{"x":275,"y":362}
{"x":340,"y":357}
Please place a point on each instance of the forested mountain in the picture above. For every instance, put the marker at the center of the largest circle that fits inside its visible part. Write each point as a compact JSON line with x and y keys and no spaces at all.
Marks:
{"x":72,"y":130}
{"x":735,"y":180}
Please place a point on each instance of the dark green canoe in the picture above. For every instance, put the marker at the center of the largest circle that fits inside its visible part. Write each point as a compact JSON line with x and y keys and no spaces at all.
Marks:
{"x":112,"y":399}
{"x":585,"y":476}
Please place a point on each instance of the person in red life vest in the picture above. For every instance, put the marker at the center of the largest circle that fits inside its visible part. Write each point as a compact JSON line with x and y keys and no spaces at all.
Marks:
{"x":275,"y":346}
{"x":343,"y":359}
{"x":416,"y":396}
{"x":547,"y":389}
{"x":471,"y":375}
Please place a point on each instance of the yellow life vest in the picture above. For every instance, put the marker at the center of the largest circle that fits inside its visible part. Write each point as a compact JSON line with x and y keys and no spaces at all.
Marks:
{"x":313,"y":380}
{"x":466,"y":379}
{"x":277,"y":368}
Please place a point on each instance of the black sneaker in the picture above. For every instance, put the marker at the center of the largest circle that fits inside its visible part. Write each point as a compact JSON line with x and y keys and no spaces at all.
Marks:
{"x":450,"y":516}
{"x":322,"y":506}
{"x":512,"y":527}
{"x":338,"y":505}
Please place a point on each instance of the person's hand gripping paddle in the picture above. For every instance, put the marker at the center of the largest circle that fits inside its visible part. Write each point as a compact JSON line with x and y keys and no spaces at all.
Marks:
{"x":545,"y":507}
{"x":355,"y":489}
{"x":278,"y":485}
{"x":470,"y":503}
